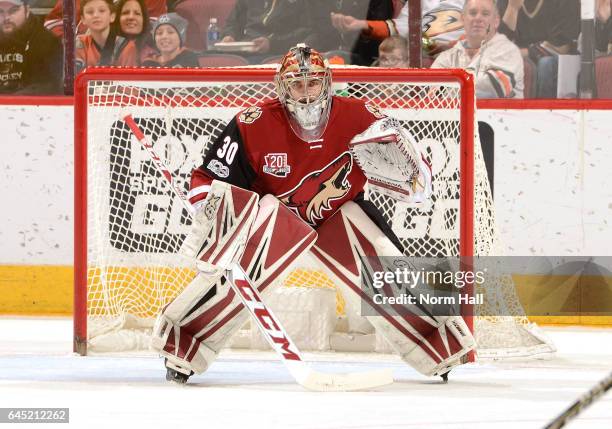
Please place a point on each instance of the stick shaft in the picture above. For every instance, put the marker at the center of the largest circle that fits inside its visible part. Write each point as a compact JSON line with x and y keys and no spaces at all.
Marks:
{"x":581,"y":403}
{"x":161,"y":166}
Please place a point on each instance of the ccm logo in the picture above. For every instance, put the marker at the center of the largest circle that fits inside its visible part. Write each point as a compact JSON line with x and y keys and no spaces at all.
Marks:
{"x":267,"y":321}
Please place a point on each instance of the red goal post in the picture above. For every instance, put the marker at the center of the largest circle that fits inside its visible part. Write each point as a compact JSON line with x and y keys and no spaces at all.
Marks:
{"x":101,"y":90}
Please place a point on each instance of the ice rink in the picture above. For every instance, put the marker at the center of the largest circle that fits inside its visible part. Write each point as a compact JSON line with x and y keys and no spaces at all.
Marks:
{"x":253,"y":389}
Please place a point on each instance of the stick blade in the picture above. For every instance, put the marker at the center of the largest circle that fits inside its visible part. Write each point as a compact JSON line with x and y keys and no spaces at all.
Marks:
{"x":323,"y":382}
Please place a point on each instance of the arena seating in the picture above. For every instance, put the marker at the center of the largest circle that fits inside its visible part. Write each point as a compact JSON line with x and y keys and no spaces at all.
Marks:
{"x":529,"y":80}
{"x":222,"y":60}
{"x":198,"y":15}
{"x":603,"y":71}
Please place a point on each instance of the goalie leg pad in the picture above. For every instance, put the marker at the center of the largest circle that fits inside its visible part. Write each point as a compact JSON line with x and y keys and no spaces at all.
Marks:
{"x":220,"y":226}
{"x":431,"y":344}
{"x":172,"y":335}
{"x":182,"y":351}
{"x":277,"y":238}
{"x":451,"y":329}
{"x":199,"y":322}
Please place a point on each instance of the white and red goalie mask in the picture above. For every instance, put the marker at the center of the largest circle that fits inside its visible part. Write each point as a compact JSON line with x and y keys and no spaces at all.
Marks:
{"x":303,"y":84}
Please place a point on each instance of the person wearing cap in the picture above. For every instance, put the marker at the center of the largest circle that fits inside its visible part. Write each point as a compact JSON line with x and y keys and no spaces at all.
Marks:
{"x":101,"y":46}
{"x":169,"y":33}
{"x":30,"y":56}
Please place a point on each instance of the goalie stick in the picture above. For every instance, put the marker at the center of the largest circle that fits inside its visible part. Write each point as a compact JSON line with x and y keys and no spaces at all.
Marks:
{"x":267,"y":322}
{"x":581,"y":403}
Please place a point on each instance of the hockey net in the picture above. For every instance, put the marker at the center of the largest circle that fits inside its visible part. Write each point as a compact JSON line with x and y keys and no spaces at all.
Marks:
{"x":130,"y":228}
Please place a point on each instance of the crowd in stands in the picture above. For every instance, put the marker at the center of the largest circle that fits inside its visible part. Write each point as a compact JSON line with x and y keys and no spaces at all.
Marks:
{"x":515,"y":48}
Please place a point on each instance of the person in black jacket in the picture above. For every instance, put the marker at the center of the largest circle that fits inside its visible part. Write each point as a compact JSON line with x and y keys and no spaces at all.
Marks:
{"x":542,"y":30}
{"x":30,"y":56}
{"x":272,"y":26}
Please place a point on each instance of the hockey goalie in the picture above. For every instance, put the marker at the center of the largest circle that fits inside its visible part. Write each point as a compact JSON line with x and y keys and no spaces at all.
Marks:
{"x":287,"y":177}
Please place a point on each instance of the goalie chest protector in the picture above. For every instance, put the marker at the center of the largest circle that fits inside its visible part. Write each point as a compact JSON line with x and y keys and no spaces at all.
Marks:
{"x":258,"y":150}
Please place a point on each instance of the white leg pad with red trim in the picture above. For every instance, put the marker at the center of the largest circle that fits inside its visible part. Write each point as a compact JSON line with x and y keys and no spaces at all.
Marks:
{"x":220,"y":227}
{"x":431,"y":344}
{"x":217,"y":240}
{"x":208,"y":312}
{"x":178,"y":330}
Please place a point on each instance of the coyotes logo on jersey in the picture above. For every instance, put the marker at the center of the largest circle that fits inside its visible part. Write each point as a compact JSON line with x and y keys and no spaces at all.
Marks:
{"x":250,"y":115}
{"x":318,"y":189}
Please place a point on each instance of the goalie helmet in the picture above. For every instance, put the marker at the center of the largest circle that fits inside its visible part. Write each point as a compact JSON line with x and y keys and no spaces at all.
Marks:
{"x":303,"y":85}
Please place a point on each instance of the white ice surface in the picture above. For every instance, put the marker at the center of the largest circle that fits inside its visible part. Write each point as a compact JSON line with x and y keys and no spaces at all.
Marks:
{"x":253,"y":390}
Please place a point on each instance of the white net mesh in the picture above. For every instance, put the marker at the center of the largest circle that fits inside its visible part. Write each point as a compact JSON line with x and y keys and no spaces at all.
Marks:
{"x":136,"y":226}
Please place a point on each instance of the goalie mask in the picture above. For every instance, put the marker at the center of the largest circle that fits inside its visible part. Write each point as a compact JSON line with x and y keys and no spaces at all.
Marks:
{"x":303,"y":84}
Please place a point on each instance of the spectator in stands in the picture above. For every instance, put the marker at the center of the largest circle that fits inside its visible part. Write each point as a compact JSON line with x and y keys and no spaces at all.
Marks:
{"x":331,"y":35}
{"x":543,"y":30}
{"x":442,"y":24}
{"x":393,"y":52}
{"x":102,"y":46}
{"x":169,"y":33}
{"x":132,"y":23}
{"x":30,"y":56}
{"x":272,"y":26}
{"x":603,"y":26}
{"x":53,"y":21}
{"x":494,"y":60}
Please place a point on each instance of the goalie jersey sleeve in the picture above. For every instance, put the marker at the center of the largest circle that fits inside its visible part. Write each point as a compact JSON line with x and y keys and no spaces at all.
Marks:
{"x":227,"y":161}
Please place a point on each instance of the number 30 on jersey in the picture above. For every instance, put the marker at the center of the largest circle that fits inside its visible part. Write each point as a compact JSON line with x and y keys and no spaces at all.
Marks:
{"x":228,"y":150}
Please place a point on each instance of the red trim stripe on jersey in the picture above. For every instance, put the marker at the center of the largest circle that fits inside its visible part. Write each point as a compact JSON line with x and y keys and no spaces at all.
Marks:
{"x":198,"y":194}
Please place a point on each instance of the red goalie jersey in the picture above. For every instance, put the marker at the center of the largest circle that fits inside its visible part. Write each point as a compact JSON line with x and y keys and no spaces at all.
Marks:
{"x":259,"y":151}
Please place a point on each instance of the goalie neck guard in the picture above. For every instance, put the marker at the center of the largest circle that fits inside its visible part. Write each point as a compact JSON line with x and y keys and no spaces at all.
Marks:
{"x":303,"y":85}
